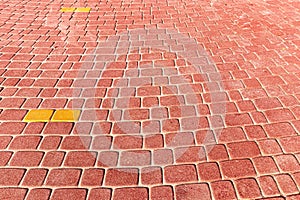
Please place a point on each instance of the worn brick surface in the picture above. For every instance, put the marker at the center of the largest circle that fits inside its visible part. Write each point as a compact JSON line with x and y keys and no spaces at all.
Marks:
{"x":180,"y":173}
{"x":131,"y":193}
{"x":39,"y":193}
{"x":287,"y":163}
{"x":208,"y":171}
{"x":237,"y":168}
{"x":13,"y":193}
{"x":248,"y":188}
{"x":243,"y":150}
{"x":153,"y":125}
{"x":26,"y":158}
{"x":92,"y":177}
{"x":121,"y":177}
{"x":25,"y":142}
{"x":11,"y":128}
{"x":69,"y":193}
{"x":11,"y":176}
{"x":34,"y":177}
{"x":80,"y":159}
{"x":268,"y":186}
{"x":223,"y":190}
{"x":161,"y":192}
{"x":63,"y":177}
{"x":53,"y":159}
{"x":192,"y":191}
{"x":5,"y":157}
{"x":286,"y":184}
{"x":265,"y":165}
{"x":100,"y":193}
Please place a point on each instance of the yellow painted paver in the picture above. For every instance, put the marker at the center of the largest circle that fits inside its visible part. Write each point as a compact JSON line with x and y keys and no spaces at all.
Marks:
{"x":67,"y":9}
{"x":65,"y":116}
{"x":83,"y":10}
{"x":38,"y":116}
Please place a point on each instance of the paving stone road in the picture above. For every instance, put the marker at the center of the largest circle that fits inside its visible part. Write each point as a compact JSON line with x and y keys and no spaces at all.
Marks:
{"x":161,"y":100}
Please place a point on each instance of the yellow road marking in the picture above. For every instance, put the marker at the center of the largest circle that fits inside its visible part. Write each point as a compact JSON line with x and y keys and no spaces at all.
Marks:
{"x":65,"y":9}
{"x":52,"y":116}
{"x":65,"y":116}
{"x":83,"y":10}
{"x":38,"y":116}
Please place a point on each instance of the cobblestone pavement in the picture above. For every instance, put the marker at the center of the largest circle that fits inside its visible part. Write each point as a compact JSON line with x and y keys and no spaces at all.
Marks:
{"x":164,"y":100}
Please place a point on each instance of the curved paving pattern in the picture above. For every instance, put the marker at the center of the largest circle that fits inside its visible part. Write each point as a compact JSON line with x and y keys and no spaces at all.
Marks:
{"x":152,"y":125}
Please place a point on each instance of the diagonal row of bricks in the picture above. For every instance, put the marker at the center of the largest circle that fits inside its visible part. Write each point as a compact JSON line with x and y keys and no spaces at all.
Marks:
{"x":228,"y":135}
{"x":207,"y":171}
{"x":247,"y":187}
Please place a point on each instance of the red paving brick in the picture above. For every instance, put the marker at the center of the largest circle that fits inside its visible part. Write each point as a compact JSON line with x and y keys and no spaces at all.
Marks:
{"x":206,"y":106}
{"x":162,"y":192}
{"x":11,"y":176}
{"x":13,"y":193}
{"x":63,"y":177}
{"x":223,"y":190}
{"x":39,"y":193}
{"x":131,"y":193}
{"x":34,"y":177}
{"x":121,"y":177}
{"x":69,"y":193}
{"x":180,"y":173}
{"x":192,"y":191}
{"x":268,"y":186}
{"x":248,"y":188}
